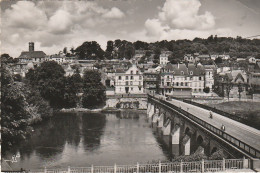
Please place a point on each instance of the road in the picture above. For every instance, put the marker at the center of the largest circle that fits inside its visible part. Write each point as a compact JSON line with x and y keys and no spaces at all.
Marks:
{"x":244,"y":133}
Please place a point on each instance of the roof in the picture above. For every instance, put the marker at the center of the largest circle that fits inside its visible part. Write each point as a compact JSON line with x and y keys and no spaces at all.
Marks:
{"x":32,"y":54}
{"x":235,"y":74}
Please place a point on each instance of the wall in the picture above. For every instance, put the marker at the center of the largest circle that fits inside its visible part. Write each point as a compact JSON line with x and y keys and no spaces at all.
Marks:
{"x":124,"y":102}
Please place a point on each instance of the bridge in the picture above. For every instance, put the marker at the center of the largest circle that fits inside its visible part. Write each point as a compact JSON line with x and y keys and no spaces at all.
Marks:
{"x":190,"y":129}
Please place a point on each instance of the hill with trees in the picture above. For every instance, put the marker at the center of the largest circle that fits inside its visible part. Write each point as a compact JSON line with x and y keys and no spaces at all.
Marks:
{"x":119,"y":49}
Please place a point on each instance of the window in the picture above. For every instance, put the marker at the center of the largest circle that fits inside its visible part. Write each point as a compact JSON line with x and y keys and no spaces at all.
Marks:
{"x":140,"y":77}
{"x":137,"y":72}
{"x":119,"y":77}
{"x":181,"y":83}
{"x":139,"y":83}
{"x":199,"y":78}
{"x":131,"y":83}
{"x":191,"y":72}
{"x":168,"y":83}
{"x":126,"y":78}
{"x":131,"y":71}
{"x":182,"y":72}
{"x":177,"y":83}
{"x":140,"y":88}
{"x":168,"y":77}
{"x":132,"y":77}
{"x":131,"y":88}
{"x":126,"y":83}
{"x":191,"y":78}
{"x":186,"y":84}
{"x":173,"y":84}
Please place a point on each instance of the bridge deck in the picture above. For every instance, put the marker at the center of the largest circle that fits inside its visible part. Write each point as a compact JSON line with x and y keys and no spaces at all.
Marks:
{"x":242,"y":132}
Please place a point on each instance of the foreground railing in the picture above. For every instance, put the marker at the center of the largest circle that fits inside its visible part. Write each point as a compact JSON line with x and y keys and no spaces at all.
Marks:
{"x":197,"y":166}
{"x":251,"y":151}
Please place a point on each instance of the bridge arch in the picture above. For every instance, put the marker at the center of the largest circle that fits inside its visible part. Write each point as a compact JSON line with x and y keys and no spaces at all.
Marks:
{"x":214,"y":149}
{"x":199,"y":140}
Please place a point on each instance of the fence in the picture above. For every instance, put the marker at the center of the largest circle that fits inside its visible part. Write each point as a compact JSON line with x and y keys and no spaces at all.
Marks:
{"x":181,"y":167}
{"x":251,"y":151}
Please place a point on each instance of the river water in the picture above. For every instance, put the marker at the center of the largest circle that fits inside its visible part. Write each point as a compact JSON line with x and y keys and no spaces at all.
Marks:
{"x":82,"y":139}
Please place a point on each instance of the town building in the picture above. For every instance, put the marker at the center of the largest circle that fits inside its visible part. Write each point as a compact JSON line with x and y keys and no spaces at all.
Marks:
{"x":150,"y":79}
{"x":163,"y":59}
{"x":179,"y":79}
{"x":210,"y":70}
{"x":129,"y":81}
{"x":189,"y":58}
{"x":32,"y":56}
{"x":232,"y":84}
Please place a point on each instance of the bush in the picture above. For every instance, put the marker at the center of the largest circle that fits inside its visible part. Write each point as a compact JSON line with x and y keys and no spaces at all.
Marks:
{"x":206,"y":90}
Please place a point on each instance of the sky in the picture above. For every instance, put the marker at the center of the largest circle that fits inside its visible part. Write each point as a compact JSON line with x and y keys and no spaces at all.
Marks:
{"x":53,"y":25}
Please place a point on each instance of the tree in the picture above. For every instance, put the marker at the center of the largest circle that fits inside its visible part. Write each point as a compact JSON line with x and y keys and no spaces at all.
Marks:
{"x":109,"y":50}
{"x":50,"y":81}
{"x":206,"y":90}
{"x":240,"y":90}
{"x":90,"y":50}
{"x":218,"y":60}
{"x":20,"y":107}
{"x":93,"y":90}
{"x":65,"y":50}
{"x":228,"y":89}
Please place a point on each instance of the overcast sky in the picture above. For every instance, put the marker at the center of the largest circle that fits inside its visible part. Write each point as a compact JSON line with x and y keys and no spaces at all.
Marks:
{"x":53,"y":25}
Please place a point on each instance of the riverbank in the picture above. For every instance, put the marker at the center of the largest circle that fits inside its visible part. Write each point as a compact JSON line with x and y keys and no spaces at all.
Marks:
{"x":103,"y":110}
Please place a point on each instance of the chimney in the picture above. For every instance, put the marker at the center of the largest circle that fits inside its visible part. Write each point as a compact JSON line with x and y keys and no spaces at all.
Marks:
{"x":31,"y":46}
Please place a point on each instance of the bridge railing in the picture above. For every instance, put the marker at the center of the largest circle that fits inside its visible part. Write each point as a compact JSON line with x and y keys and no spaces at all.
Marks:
{"x":195,"y":166}
{"x":239,"y":144}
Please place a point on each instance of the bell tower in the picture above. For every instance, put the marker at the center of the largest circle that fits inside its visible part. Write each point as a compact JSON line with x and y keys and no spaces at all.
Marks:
{"x":31,"y":46}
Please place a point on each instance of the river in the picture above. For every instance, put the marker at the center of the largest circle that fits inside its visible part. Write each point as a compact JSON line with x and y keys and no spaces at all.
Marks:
{"x":82,"y":139}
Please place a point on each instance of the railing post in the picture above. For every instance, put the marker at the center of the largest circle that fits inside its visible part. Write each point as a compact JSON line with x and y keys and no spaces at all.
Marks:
{"x":45,"y":170}
{"x":115,"y":168}
{"x":68,"y":169}
{"x":224,"y":164}
{"x":181,"y":168}
{"x":202,"y":165}
{"x":245,"y":163}
{"x":92,"y":169}
{"x":137,"y":167}
{"x":160,"y":167}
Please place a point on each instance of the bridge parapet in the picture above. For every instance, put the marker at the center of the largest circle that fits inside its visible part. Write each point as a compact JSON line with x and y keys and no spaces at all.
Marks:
{"x":235,"y":143}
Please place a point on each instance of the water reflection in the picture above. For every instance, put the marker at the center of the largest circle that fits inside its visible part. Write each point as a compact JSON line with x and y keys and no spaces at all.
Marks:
{"x":83,"y":139}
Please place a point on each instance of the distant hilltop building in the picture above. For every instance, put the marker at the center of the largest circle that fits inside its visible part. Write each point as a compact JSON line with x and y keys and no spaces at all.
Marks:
{"x":32,"y":55}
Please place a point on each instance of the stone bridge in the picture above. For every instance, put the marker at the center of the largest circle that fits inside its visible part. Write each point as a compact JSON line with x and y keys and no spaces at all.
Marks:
{"x":188,"y":130}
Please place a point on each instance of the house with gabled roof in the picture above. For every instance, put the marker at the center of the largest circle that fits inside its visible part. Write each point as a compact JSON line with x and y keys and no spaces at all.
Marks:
{"x":129,"y":81}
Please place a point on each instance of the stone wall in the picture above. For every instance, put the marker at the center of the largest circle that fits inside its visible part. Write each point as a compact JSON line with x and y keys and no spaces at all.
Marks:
{"x":127,"y":103}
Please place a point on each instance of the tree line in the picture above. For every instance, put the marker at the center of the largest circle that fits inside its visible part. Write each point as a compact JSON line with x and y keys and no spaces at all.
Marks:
{"x":119,"y":49}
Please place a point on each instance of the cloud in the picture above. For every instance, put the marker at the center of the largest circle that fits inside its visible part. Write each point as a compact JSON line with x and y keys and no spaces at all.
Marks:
{"x":24,"y":14}
{"x":60,"y":22}
{"x":55,"y":25}
{"x":184,"y":14}
{"x":114,"y":13}
{"x":179,"y":19}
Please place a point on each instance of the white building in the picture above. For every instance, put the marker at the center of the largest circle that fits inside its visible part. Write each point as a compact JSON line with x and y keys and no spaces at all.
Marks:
{"x":163,"y":59}
{"x":130,"y":81}
{"x":209,"y":76}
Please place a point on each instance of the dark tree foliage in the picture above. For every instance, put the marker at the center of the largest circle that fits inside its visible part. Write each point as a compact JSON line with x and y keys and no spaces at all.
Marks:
{"x":21,"y":105}
{"x":206,"y":90}
{"x":89,"y":50}
{"x":93,"y":90}
{"x":49,"y":79}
